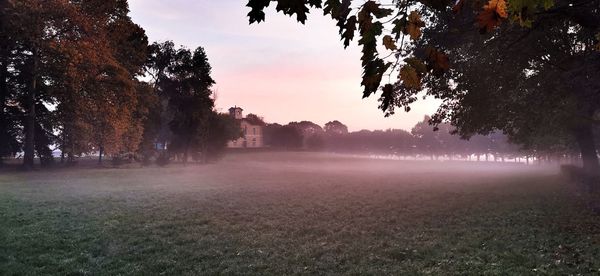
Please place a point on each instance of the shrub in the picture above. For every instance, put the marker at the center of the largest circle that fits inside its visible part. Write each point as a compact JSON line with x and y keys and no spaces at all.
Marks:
{"x":163,"y":159}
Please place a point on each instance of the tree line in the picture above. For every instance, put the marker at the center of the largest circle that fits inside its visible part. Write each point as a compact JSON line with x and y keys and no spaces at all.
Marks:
{"x":72,"y":78}
{"x":424,"y":141}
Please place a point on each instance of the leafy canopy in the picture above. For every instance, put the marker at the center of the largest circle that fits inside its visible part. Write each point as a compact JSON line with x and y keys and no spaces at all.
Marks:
{"x":395,"y":26}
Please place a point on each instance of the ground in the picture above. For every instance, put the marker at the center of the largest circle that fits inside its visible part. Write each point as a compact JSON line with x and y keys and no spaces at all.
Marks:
{"x":296,"y":213}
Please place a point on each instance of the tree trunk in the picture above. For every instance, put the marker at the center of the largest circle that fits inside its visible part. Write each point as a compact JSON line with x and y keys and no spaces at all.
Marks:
{"x":100,"y":152}
{"x":62,"y":148}
{"x":186,"y":153}
{"x":29,"y":147}
{"x":3,"y":97}
{"x":585,"y":139}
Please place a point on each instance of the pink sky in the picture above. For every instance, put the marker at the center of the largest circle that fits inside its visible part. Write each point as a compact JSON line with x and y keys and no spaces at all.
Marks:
{"x":279,"y":69}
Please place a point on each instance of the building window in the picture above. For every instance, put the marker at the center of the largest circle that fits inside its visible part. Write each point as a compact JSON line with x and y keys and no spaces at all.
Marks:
{"x":245,"y":130}
{"x":254,"y":130}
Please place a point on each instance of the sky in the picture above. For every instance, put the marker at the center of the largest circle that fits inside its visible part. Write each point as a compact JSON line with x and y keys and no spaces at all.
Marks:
{"x":279,"y":69}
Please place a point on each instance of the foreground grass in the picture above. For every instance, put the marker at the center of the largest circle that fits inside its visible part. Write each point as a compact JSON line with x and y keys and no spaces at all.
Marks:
{"x":296,"y":214}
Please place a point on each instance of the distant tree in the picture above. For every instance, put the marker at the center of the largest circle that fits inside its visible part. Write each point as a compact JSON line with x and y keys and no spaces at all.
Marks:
{"x":283,"y":137}
{"x":428,"y":138}
{"x":335,"y":128}
{"x":255,"y":119}
{"x":222,"y":129}
{"x":312,"y":134}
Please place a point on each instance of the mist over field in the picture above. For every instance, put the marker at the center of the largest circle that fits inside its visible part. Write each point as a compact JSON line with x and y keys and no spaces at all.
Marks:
{"x":299,"y":137}
{"x":296,"y":213}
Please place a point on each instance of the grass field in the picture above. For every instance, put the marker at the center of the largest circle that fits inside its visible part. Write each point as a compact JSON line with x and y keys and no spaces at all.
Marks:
{"x":296,"y":213}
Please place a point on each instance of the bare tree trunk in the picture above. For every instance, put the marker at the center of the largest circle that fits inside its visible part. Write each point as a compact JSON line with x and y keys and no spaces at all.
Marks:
{"x":100,"y":152}
{"x":3,"y":97}
{"x":585,"y":139}
{"x":62,"y":148}
{"x":29,"y":147}
{"x":186,"y":153}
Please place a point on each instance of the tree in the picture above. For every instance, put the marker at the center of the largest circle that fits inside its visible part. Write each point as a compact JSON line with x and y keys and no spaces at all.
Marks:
{"x":428,"y":138}
{"x":335,"y":128}
{"x":223,"y":128}
{"x":312,"y":134}
{"x":35,"y":33}
{"x":432,"y":27}
{"x":182,"y":81}
{"x":284,"y":137}
{"x":255,"y":119}
{"x":529,"y":94}
{"x":82,"y":58}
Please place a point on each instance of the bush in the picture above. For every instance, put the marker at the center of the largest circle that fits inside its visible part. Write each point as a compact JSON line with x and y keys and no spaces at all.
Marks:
{"x":122,"y":159}
{"x":117,"y":160}
{"x":163,"y":159}
{"x":147,"y":158}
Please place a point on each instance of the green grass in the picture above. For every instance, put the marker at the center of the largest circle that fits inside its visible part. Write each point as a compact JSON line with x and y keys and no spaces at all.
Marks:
{"x":303,"y":213}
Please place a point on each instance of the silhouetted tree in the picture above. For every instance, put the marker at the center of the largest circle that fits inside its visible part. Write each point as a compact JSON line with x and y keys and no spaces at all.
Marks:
{"x":312,"y":134}
{"x":335,"y":128}
{"x":191,"y":102}
{"x":283,"y":137}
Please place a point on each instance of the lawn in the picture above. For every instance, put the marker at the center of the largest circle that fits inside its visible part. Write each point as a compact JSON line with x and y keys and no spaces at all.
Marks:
{"x":296,"y":213}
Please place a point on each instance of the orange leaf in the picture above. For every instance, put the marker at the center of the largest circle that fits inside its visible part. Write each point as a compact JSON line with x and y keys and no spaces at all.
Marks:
{"x":414,"y":25}
{"x":492,"y":15}
{"x":437,"y":60}
{"x":409,"y":77}
{"x":389,"y":43}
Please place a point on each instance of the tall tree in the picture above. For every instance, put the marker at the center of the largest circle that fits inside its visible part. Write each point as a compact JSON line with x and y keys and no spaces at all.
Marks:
{"x":182,"y":80}
{"x":82,"y":58}
{"x":38,"y":33}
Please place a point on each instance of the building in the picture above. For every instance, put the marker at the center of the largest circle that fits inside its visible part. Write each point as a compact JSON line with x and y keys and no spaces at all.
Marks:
{"x":252,"y":129}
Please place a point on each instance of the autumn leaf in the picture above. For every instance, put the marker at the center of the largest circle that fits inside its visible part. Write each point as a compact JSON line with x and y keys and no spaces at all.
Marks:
{"x":389,"y":43}
{"x":437,"y":61}
{"x":410,"y":78}
{"x":492,"y":15}
{"x":417,"y":64}
{"x":414,"y":25}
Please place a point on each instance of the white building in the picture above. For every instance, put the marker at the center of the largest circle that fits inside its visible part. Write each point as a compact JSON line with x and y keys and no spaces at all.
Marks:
{"x":252,"y":130}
